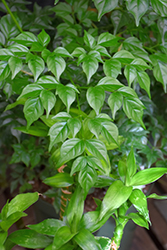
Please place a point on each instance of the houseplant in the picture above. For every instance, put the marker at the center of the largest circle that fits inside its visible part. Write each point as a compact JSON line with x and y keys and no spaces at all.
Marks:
{"x":77,"y":78}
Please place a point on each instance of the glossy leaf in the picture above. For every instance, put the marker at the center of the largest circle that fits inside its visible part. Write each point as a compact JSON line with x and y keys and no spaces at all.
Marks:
{"x":43,"y":38}
{"x":131,"y":163}
{"x":133,"y":109}
{"x":15,"y":65}
{"x":160,"y":74}
{"x":115,"y":102}
{"x":89,"y":40}
{"x":60,"y":51}
{"x":79,"y":164}
{"x":47,"y":227}
{"x":74,"y":126}
{"x":36,"y":65}
{"x":139,"y":201}
{"x":75,"y":208}
{"x":138,"y":219}
{"x":56,"y":65}
{"x":62,"y":236}
{"x":104,"y":6}
{"x":33,"y":130}
{"x":140,"y":64}
{"x":115,"y":196}
{"x":112,"y":68}
{"x":104,"y":242}
{"x":70,"y":150}
{"x":5,"y":54}
{"x":33,"y":109}
{"x":90,"y":66}
{"x":96,"y":148}
{"x":48,"y":100}
{"x":110,"y":84}
{"x":58,"y":133}
{"x":137,"y":8}
{"x":109,"y":131}
{"x":59,"y":180}
{"x":18,"y":49}
{"x":47,"y":81}
{"x":26,"y":38}
{"x":124,"y":56}
{"x":106,"y":39}
{"x":30,"y":239}
{"x":21,"y":202}
{"x":66,"y":94}
{"x":160,"y":7}
{"x":31,"y":90}
{"x":6,"y":224}
{"x":87,"y":177}
{"x":147,"y":176}
{"x":87,"y":241}
{"x":130,"y":74}
{"x":4,"y":70}
{"x":144,"y":81}
{"x":158,"y":197}
{"x":95,"y":97}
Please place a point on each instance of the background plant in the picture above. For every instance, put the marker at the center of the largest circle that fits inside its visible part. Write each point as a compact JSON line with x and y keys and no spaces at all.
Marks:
{"x":71,"y":82}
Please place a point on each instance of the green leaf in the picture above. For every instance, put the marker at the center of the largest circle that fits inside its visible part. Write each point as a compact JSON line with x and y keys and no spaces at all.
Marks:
{"x":104,"y":6}
{"x":110,"y":84}
{"x":66,"y":94}
{"x":48,"y":100}
{"x":78,"y":51}
{"x":33,"y":130}
{"x":97,"y":149}
{"x":62,"y":236}
{"x":74,"y":126}
{"x":31,"y":90}
{"x":137,"y":8}
{"x":119,"y":19}
{"x":139,"y":201}
{"x":115,"y":102}
{"x":43,"y":38}
{"x":37,"y":66}
{"x":133,"y":44}
{"x":79,"y":164}
{"x":133,"y":108}
{"x":87,"y":177}
{"x":21,"y":202}
{"x":15,"y":65}
{"x":115,"y":196}
{"x":70,"y":150}
{"x":18,"y":49}
{"x":47,"y":81}
{"x":131,"y":163}
{"x":60,"y":51}
{"x":56,"y":65}
{"x":4,"y":70}
{"x":160,"y":74}
{"x":75,"y":208}
{"x":90,"y":66}
{"x":37,"y":47}
{"x":95,"y":97}
{"x":5,"y":54}
{"x":29,"y":238}
{"x":158,"y":197}
{"x":102,"y":51}
{"x":86,"y":240}
{"x":106,"y":39}
{"x":130,"y":74}
{"x":58,"y":133}
{"x":3,"y":236}
{"x":144,"y":81}
{"x":140,"y":64}
{"x":124,"y":56}
{"x":89,"y":40}
{"x":160,"y":7}
{"x":26,"y":38}
{"x":62,"y":9}
{"x":138,"y":219}
{"x":48,"y":226}
{"x":109,"y":131}
{"x":59,"y":180}
{"x":128,"y":92}
{"x":6,"y":224}
{"x":112,"y":68}
{"x":8,"y":27}
{"x":104,"y":242}
{"x":147,"y":176}
{"x":33,"y":109}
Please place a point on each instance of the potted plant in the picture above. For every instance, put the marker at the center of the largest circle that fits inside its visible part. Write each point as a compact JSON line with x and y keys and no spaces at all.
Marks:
{"x":103,"y":57}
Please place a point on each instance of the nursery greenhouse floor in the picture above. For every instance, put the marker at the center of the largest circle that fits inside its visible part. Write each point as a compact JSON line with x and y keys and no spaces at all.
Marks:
{"x":153,"y":239}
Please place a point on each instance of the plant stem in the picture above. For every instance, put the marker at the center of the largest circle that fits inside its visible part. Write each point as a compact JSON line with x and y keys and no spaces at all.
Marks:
{"x":12,"y":16}
{"x":27,"y":73}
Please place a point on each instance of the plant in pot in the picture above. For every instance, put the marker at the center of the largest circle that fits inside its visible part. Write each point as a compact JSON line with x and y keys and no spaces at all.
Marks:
{"x":102,"y":58}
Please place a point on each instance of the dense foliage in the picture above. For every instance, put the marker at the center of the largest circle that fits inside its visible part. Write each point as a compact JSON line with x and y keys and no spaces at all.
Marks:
{"x":85,"y":73}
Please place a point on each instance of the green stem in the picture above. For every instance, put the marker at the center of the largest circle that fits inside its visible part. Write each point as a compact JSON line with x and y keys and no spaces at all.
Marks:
{"x":12,"y":16}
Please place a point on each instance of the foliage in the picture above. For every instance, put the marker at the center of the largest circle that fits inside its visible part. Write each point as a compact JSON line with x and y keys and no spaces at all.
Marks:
{"x":84,"y":73}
